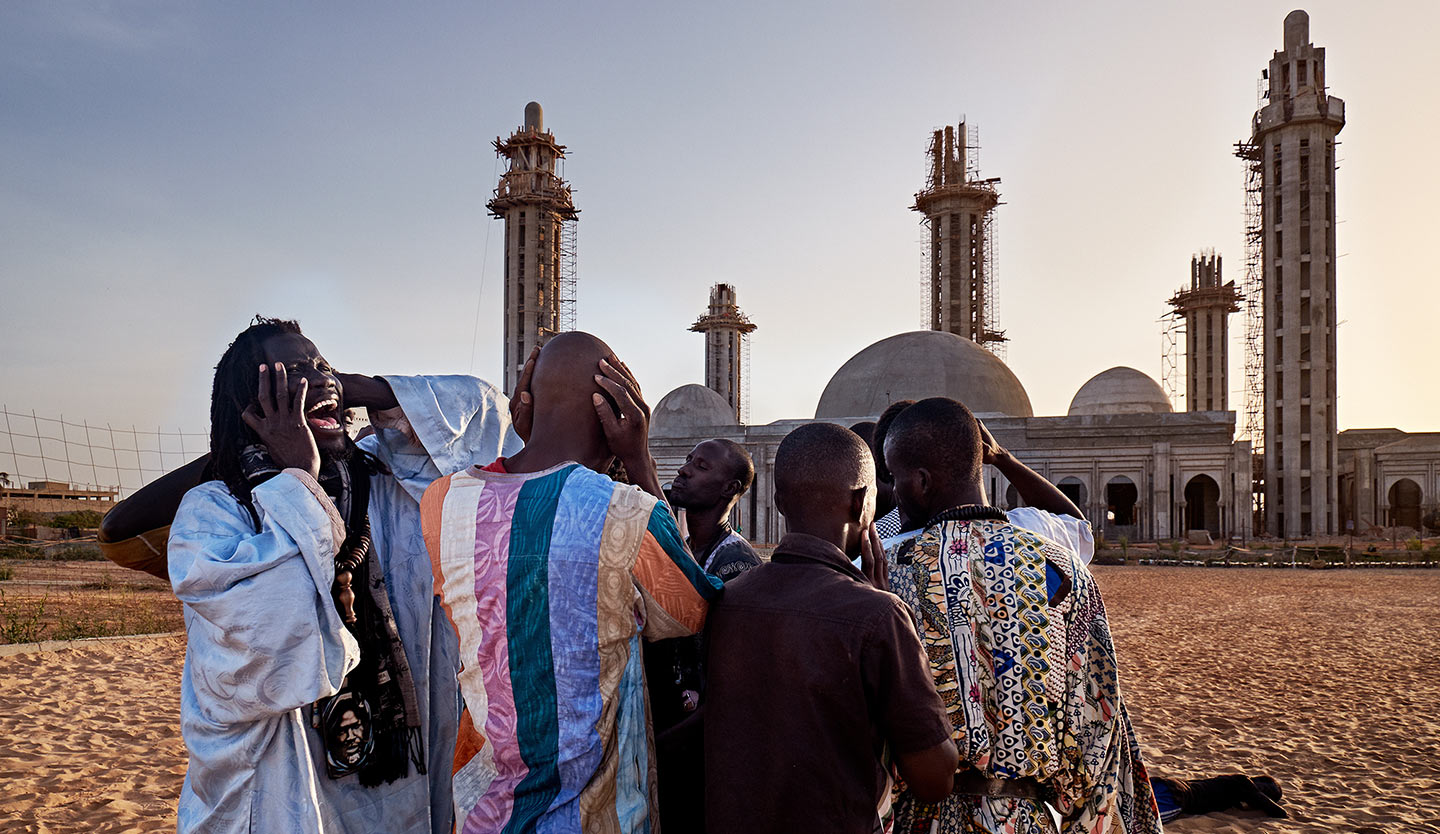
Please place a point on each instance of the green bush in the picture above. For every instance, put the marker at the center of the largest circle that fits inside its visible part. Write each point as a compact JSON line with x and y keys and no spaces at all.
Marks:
{"x":21,"y":551}
{"x":1414,"y":545}
{"x":86,"y":519}
{"x":6,"y":573}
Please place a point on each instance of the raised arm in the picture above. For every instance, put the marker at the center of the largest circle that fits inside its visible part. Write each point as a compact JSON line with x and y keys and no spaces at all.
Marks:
{"x":153,"y":505}
{"x":1034,"y":488}
{"x":363,"y":391}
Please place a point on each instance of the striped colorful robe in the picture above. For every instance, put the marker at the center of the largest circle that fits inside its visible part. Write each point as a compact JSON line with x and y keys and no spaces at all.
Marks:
{"x":551,"y":579}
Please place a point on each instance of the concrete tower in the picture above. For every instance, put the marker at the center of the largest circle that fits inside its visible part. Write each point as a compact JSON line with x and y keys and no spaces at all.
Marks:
{"x":725,"y":329}
{"x":1206,"y":308}
{"x":534,"y":201}
{"x":1293,"y":142}
{"x":958,"y":208}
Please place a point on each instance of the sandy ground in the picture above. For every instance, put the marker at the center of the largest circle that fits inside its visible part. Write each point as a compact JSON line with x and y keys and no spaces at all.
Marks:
{"x":1326,"y":680}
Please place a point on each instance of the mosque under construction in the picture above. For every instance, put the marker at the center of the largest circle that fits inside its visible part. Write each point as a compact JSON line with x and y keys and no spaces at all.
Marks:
{"x":1273,"y":463}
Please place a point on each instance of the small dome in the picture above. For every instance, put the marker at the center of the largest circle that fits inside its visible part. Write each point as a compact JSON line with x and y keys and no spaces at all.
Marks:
{"x":921,"y":364}
{"x":688,"y":408}
{"x":1120,"y":391}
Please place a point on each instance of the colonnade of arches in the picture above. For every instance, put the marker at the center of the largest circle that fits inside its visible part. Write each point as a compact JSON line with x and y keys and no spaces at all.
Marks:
{"x":1201,"y":510}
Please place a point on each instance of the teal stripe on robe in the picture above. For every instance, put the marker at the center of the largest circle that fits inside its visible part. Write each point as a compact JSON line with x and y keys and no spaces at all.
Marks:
{"x":667,"y":533}
{"x":532,"y":669}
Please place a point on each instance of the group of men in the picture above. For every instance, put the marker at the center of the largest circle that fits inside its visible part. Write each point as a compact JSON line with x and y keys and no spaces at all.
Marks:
{"x":468,"y":621}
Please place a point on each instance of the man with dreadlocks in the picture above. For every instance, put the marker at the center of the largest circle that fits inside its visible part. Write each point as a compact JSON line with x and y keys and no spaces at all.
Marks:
{"x":319,"y":688}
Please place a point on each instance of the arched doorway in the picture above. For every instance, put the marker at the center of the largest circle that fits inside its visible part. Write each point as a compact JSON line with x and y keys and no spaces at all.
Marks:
{"x":1202,"y":505}
{"x":1074,"y":489}
{"x":1120,"y":497}
{"x":1405,"y":500}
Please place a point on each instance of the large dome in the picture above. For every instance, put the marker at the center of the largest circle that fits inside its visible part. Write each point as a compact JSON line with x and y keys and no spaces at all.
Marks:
{"x":1120,"y":391}
{"x":690,"y":407}
{"x":921,"y":364}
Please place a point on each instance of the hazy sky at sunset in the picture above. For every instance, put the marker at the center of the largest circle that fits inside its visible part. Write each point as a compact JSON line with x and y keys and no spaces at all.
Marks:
{"x":168,"y":169}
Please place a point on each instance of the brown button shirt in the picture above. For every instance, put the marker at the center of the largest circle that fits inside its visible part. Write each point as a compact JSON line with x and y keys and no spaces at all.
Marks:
{"x":812,"y":672}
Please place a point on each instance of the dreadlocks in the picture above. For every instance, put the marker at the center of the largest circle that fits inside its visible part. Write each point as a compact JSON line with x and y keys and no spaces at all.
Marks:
{"x":236,"y":380}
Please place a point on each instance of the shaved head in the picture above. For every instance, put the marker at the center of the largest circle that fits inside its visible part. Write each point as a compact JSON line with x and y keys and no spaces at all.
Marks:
{"x":934,"y":451}
{"x":938,"y":434}
{"x":565,"y":373}
{"x":825,"y":483}
{"x":821,"y":457}
{"x":742,"y":468}
{"x":563,"y":387}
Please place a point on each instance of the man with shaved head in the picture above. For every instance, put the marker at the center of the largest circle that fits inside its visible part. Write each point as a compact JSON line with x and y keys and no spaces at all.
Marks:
{"x":1020,"y":650}
{"x":551,"y":574}
{"x":817,"y":678}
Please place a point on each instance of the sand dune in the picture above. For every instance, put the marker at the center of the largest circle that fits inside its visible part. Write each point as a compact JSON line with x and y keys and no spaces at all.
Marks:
{"x":1326,"y":680}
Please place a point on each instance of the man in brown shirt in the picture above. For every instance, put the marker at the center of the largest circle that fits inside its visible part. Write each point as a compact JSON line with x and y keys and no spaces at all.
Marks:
{"x":816,"y":674}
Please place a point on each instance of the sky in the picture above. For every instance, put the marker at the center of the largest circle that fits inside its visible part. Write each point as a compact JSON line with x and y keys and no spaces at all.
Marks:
{"x":168,"y":169}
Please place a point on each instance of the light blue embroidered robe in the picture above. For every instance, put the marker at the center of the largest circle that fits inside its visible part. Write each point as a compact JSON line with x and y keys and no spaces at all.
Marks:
{"x":265,"y":641}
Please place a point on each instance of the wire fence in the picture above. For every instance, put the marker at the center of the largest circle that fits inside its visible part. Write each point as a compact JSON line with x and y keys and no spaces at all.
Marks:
{"x":89,"y":456}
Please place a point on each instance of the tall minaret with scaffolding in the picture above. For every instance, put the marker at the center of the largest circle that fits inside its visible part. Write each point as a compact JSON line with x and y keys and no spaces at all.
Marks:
{"x":1205,"y":308}
{"x":1291,"y":157}
{"x":534,"y":201}
{"x":959,"y":209}
{"x":727,"y":352}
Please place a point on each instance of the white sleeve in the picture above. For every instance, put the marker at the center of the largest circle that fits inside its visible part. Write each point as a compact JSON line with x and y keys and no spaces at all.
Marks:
{"x":442,"y":425}
{"x":1072,"y":532}
{"x":263,"y":634}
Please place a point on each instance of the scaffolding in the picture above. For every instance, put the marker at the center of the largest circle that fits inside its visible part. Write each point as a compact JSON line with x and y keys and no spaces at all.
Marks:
{"x":1172,"y":368}
{"x":1252,"y":290}
{"x":566,"y":287}
{"x":745,"y":379}
{"x":958,"y":207}
{"x":1252,"y":426}
{"x":998,"y":342}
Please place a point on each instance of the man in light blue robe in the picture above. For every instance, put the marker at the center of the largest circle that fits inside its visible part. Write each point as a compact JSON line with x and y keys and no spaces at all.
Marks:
{"x":265,"y":639}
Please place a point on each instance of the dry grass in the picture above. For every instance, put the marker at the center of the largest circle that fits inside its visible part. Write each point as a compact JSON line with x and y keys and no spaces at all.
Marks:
{"x":47,"y":600}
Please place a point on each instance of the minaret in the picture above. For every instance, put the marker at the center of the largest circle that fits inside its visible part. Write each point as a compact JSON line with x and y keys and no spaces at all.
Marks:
{"x":534,"y":201}
{"x":959,"y":208}
{"x":1293,"y":138}
{"x":1206,"y":307}
{"x":726,"y":330}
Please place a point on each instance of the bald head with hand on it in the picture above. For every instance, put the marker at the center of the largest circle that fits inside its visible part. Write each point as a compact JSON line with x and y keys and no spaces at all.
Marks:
{"x":582,"y":404}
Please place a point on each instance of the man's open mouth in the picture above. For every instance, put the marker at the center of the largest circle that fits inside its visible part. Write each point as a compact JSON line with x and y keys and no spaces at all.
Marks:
{"x":324,"y":415}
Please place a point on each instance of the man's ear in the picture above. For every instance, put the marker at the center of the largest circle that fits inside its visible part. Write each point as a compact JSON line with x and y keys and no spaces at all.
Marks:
{"x":780,"y":502}
{"x":857,"y":503}
{"x":732,"y":487}
{"x":924,"y":483}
